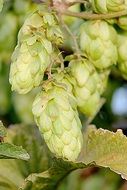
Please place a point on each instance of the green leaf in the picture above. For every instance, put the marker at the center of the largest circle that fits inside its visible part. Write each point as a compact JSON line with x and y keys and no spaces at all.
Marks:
{"x":13,"y":172}
{"x":10,"y":151}
{"x":30,"y":139}
{"x":101,"y":148}
{"x":50,"y":179}
{"x":106,"y":149}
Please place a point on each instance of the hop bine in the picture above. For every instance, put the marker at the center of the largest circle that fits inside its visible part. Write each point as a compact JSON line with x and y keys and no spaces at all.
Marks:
{"x":58,"y":120}
{"x":98,"y":42}
{"x":105,"y":6}
{"x":33,"y":53}
{"x":89,"y":85}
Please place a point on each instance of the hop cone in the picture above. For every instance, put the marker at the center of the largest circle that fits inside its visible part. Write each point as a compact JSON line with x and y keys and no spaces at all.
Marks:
{"x":32,"y":54}
{"x":122,"y":54}
{"x":58,"y":121}
{"x":88,"y":87}
{"x":97,"y":41}
{"x":105,"y":6}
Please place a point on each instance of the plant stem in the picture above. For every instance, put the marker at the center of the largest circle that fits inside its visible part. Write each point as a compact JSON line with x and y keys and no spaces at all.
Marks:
{"x":93,"y":16}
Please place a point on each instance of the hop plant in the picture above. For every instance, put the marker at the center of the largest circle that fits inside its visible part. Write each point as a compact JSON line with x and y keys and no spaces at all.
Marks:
{"x":58,"y":120}
{"x":122,"y":55}
{"x":106,"y":6}
{"x":98,"y":41}
{"x":33,"y":53}
{"x":88,"y":85}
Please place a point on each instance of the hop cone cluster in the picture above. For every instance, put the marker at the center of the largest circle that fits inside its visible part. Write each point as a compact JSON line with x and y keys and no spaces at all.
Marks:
{"x":58,"y":120}
{"x":122,"y":55}
{"x":98,"y":41}
{"x":33,"y":53}
{"x":105,"y":6}
{"x":88,"y":86}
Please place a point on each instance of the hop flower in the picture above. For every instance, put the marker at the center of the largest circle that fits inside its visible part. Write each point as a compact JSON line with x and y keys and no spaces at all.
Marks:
{"x":106,"y":6}
{"x":122,"y":55}
{"x":33,"y":53}
{"x":88,"y":87}
{"x":58,"y":121}
{"x":97,"y":41}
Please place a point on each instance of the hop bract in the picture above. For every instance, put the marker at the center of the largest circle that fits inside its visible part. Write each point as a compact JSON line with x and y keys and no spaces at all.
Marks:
{"x":33,"y":53}
{"x":58,"y":121}
{"x":88,"y":86}
{"x":122,"y":55}
{"x":98,"y":41}
{"x":105,"y":6}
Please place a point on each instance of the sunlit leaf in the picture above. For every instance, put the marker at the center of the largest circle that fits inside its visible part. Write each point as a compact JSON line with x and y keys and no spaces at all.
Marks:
{"x":106,"y":149}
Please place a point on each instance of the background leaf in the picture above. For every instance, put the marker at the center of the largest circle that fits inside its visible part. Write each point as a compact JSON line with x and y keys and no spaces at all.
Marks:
{"x":50,"y":179}
{"x":10,"y":151}
{"x":106,"y":149}
{"x":17,"y":170}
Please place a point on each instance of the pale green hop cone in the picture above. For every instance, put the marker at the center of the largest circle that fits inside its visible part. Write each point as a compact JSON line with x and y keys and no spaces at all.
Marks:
{"x":31,"y":56}
{"x":29,"y":62}
{"x":58,"y":122}
{"x":33,"y":53}
{"x":122,"y":53}
{"x":98,"y":41}
{"x":105,"y":6}
{"x":88,"y":87}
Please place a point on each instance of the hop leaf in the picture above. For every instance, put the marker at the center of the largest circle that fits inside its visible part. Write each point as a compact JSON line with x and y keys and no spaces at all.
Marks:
{"x":106,"y":6}
{"x":98,"y":41}
{"x":58,"y":121}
